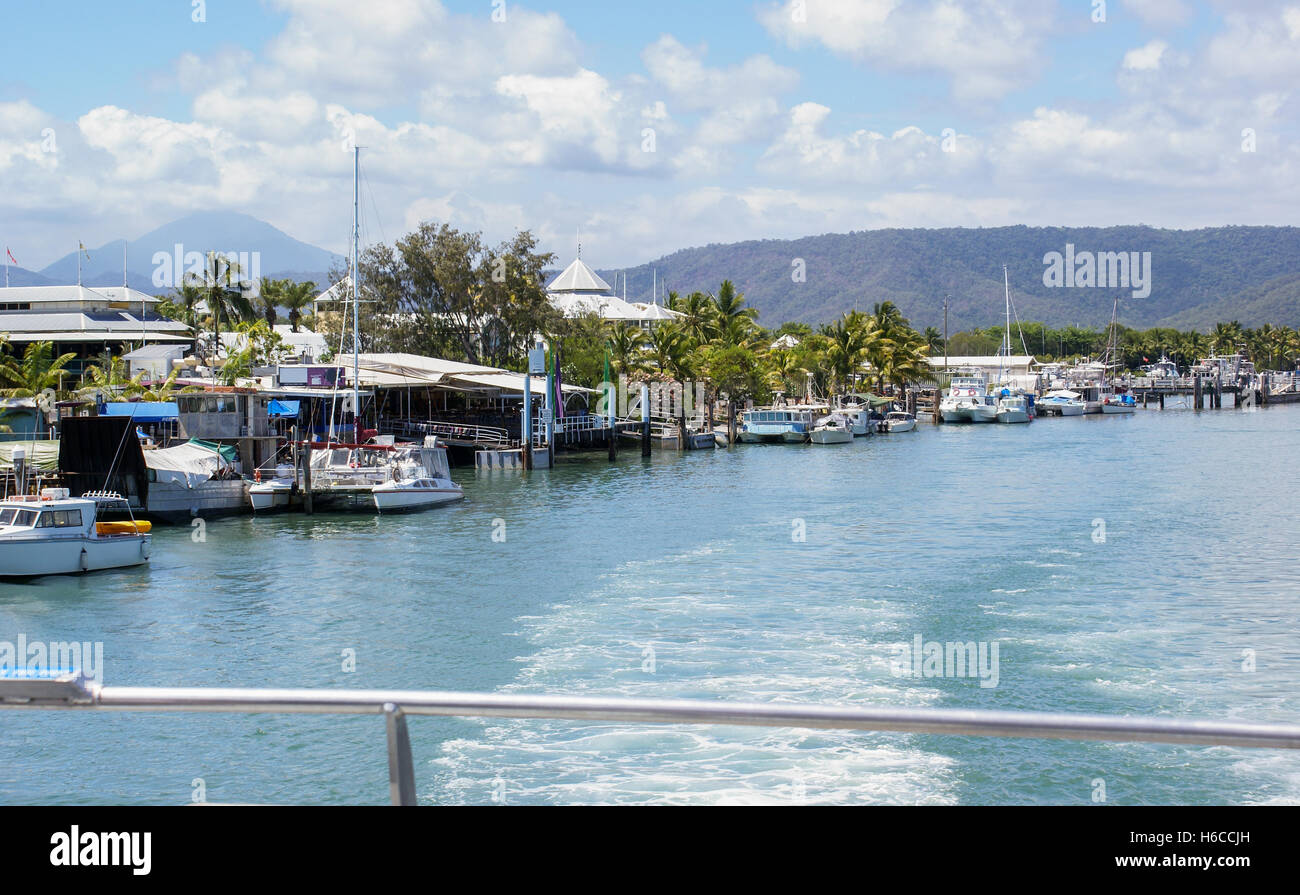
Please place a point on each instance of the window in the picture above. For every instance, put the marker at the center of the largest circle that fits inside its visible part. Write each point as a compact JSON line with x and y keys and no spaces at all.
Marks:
{"x":25,"y":517}
{"x":7,"y":516}
{"x":45,"y":520}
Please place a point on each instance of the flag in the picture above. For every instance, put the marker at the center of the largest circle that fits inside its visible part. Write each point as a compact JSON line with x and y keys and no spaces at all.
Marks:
{"x":11,"y":255}
{"x":82,"y":245}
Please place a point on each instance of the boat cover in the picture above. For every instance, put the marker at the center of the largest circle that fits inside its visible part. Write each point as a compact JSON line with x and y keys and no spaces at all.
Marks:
{"x":189,"y":464}
{"x":42,"y":455}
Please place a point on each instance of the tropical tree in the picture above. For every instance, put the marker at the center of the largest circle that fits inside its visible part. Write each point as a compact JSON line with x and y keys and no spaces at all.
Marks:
{"x":38,"y":369}
{"x":294,"y":297}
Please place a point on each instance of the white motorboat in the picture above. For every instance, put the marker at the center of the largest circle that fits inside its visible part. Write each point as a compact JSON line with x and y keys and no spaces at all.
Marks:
{"x":54,"y":534}
{"x":1115,"y":403}
{"x":833,"y":429}
{"x":859,"y":418}
{"x":968,"y":400}
{"x":1013,"y":409}
{"x":273,"y":493}
{"x":1062,"y":402}
{"x":898,"y":421}
{"x":419,"y":480}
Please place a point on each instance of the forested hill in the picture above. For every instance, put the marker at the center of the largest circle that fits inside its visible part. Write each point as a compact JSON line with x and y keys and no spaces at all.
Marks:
{"x":1198,"y":277}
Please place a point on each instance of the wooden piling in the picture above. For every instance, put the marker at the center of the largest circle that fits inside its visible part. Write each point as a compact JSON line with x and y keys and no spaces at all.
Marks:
{"x":1196,"y":393}
{"x":306,"y":478}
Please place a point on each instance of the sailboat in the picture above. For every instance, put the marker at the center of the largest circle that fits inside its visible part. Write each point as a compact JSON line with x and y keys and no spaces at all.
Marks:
{"x":374,"y":476}
{"x":1112,"y":401}
{"x":1012,"y":407}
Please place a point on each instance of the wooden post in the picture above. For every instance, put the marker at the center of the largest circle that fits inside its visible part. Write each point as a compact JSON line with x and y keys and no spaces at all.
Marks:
{"x":306,"y":478}
{"x":1196,"y":392}
{"x":731,"y":421}
{"x":1162,"y":400}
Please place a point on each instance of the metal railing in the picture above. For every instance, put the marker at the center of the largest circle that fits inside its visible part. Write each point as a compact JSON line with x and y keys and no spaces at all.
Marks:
{"x":73,"y":691}
{"x":449,"y":430}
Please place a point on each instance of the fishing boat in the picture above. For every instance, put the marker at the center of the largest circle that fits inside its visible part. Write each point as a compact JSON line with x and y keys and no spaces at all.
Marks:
{"x":55,"y":534}
{"x":1013,"y":408}
{"x":899,"y":421}
{"x":789,"y":425}
{"x":833,"y":429}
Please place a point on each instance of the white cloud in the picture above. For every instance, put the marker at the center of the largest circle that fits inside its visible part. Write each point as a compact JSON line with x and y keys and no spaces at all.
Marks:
{"x":987,"y":47}
{"x":1145,"y":58}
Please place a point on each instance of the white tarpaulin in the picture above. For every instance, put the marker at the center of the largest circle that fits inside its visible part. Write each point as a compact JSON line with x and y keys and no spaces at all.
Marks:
{"x":186,"y":464}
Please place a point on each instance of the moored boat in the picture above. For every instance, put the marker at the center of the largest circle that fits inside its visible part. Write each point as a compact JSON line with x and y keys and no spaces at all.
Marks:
{"x":833,"y":429}
{"x":898,"y":421}
{"x":55,"y":534}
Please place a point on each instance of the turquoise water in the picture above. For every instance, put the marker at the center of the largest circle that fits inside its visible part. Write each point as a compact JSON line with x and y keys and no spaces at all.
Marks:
{"x":682,"y":576}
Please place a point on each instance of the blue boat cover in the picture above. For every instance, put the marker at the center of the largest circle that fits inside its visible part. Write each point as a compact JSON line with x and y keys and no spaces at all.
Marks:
{"x":283,"y":408}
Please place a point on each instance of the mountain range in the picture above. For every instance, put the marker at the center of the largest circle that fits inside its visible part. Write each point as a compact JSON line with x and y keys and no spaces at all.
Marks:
{"x":279,"y":255}
{"x":1196,"y":277}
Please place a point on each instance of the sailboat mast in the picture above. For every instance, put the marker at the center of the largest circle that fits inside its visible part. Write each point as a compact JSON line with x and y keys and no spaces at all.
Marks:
{"x":1006,"y":284}
{"x":356,"y":316}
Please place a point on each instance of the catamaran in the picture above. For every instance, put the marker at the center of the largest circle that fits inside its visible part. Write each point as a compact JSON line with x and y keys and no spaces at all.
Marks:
{"x":968,"y":400}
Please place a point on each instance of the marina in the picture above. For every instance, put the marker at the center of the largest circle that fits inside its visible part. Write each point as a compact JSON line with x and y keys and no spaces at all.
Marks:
{"x":1084,"y":626}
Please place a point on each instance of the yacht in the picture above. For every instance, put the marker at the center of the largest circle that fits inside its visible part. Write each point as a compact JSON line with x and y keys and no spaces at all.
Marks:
{"x":898,"y":421}
{"x":1062,"y":402}
{"x":777,"y":424}
{"x":55,"y":534}
{"x":833,"y":429}
{"x":419,"y":480}
{"x":1014,"y":409}
{"x":968,"y":400}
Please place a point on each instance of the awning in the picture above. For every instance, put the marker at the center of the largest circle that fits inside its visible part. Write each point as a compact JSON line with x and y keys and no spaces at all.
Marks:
{"x":143,"y":411}
{"x":283,"y":408}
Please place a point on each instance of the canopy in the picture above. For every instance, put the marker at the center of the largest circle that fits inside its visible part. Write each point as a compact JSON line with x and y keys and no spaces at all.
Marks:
{"x":190,"y":464}
{"x":143,"y":411}
{"x":873,"y":400}
{"x":284,"y":407}
{"x":41,"y":455}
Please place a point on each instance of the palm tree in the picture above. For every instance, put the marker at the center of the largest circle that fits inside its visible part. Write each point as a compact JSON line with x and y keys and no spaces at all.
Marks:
{"x":625,"y":348}
{"x":294,"y":297}
{"x":38,"y":370}
{"x":225,"y":303}
{"x":268,"y":296}
{"x":733,"y":322}
{"x":699,"y":319}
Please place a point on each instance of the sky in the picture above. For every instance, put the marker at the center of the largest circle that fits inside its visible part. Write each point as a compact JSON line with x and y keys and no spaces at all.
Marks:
{"x":644,"y":127}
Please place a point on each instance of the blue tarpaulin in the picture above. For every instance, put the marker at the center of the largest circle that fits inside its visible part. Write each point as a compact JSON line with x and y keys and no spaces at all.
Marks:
{"x":283,"y":408}
{"x":142,"y":411}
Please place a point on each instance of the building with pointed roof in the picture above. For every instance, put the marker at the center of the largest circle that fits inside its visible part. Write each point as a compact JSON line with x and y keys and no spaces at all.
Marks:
{"x":579,"y":290}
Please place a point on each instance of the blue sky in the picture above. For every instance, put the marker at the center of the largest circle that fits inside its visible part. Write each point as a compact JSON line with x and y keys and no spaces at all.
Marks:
{"x":765,"y":125}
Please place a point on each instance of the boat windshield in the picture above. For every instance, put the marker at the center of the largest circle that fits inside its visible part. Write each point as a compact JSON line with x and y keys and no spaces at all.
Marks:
{"x":14,"y":516}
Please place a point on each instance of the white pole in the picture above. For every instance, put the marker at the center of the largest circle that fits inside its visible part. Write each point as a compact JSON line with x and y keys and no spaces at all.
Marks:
{"x":356,"y":317}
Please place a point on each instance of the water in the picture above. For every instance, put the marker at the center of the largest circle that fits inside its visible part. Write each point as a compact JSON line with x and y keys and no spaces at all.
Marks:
{"x":682,"y":576}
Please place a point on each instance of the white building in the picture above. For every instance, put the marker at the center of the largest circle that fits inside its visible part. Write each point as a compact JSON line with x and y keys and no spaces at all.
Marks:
{"x":578,"y":290}
{"x":86,"y":320}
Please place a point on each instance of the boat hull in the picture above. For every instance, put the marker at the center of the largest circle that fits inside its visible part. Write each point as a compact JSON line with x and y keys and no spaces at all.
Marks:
{"x":1013,"y":416}
{"x":895,"y":426}
{"x":403,"y":500}
{"x":831,"y":436}
{"x":1118,"y":408}
{"x":32,"y":557}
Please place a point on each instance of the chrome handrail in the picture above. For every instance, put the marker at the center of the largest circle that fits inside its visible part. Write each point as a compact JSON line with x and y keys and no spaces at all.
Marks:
{"x":74,"y":691}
